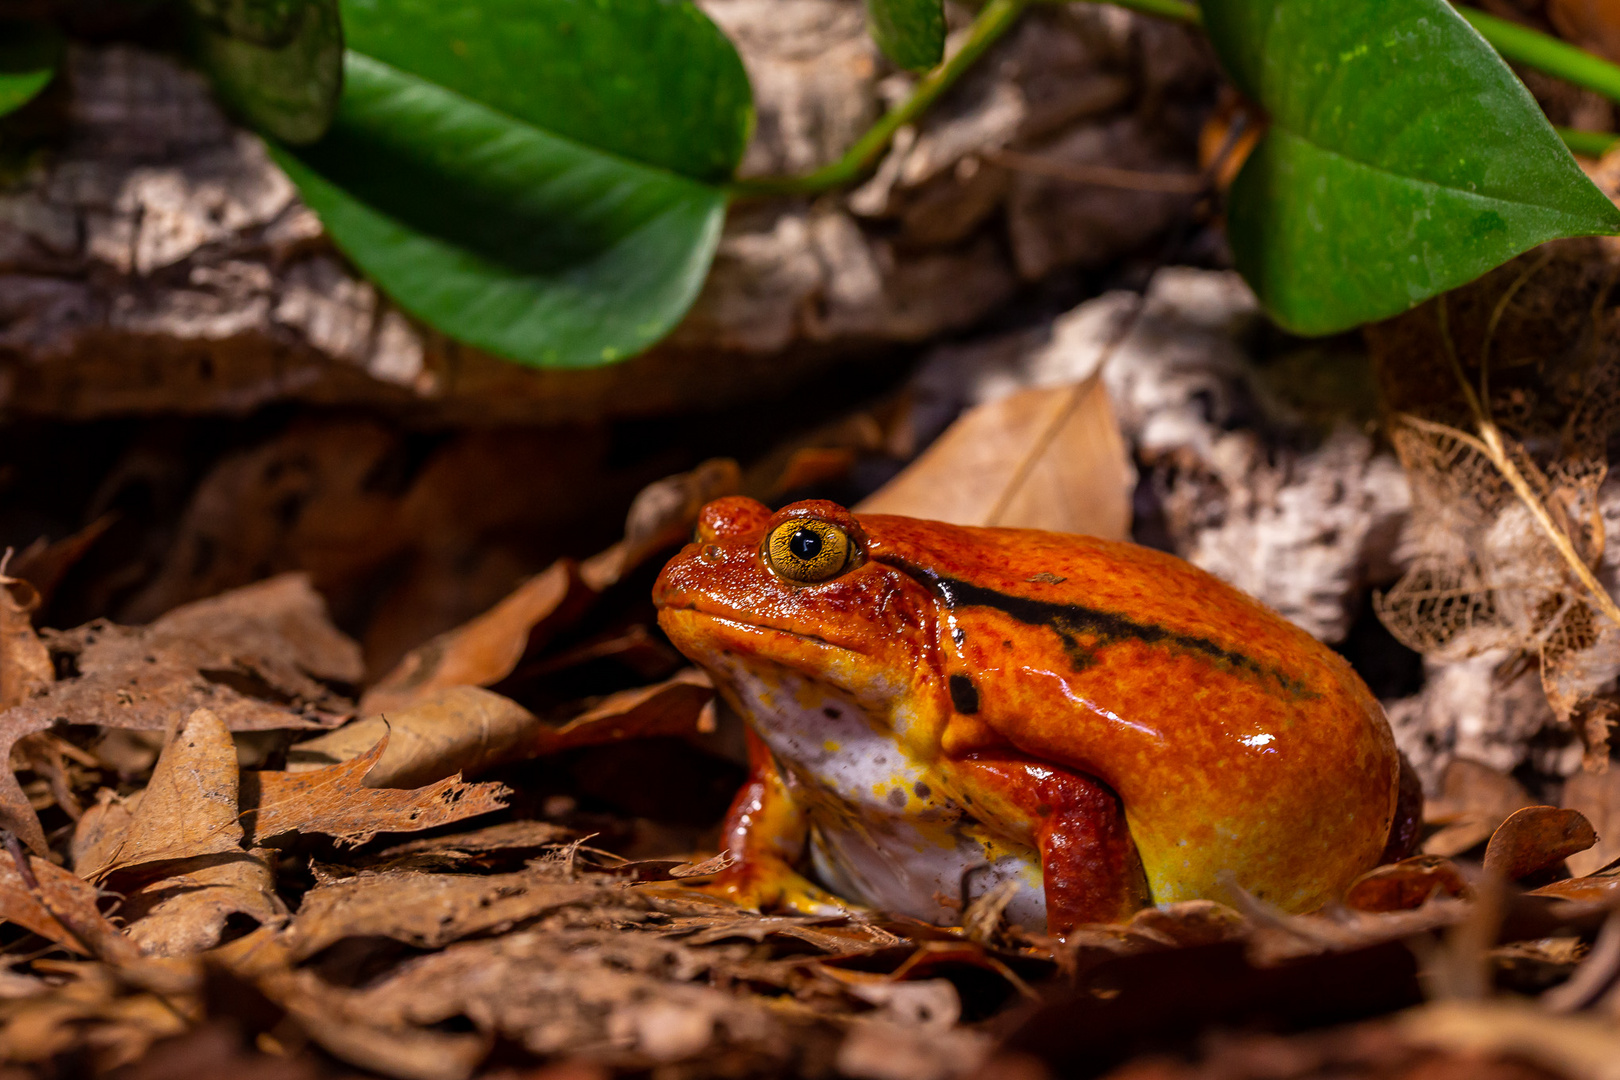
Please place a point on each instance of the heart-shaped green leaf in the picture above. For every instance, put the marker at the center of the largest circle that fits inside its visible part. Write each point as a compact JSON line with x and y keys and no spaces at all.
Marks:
{"x":276,"y":63}
{"x":532,"y":176}
{"x":1403,"y":158}
{"x":29,"y":53}
{"x":910,"y":32}
{"x":650,"y":80}
{"x":500,"y":234}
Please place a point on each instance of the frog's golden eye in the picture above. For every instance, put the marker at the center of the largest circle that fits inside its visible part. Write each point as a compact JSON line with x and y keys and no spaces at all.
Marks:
{"x":807,"y":550}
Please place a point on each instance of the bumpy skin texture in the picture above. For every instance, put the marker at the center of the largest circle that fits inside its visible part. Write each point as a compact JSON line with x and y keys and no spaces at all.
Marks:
{"x":1026,"y":679}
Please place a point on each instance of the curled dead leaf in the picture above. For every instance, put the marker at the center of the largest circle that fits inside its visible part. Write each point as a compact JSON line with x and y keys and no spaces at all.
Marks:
{"x":1596,"y":795}
{"x":1537,"y":838}
{"x":1474,"y":799}
{"x":461,"y":729}
{"x":486,"y":649}
{"x":662,"y":516}
{"x":1405,"y":885}
{"x":672,"y":707}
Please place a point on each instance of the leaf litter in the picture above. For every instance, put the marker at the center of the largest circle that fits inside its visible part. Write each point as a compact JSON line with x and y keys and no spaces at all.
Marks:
{"x":417,"y":893}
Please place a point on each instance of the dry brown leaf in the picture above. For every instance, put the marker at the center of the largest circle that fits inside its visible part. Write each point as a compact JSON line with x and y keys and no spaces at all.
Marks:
{"x":62,"y":909}
{"x":508,"y":836}
{"x":189,"y":808}
{"x":1593,"y":888}
{"x":672,"y":707}
{"x":1596,"y":795}
{"x":25,"y":664}
{"x":25,"y":673}
{"x":1537,"y":838}
{"x":100,"y":830}
{"x":1591,"y":24}
{"x":429,"y":911}
{"x":485,"y":650}
{"x":187,"y":821}
{"x":90,"y":1014}
{"x":461,"y":729}
{"x":1567,"y":1045}
{"x":336,"y":802}
{"x":662,"y":516}
{"x":1474,"y":799}
{"x":43,"y":564}
{"x":1405,"y":885}
{"x":345,"y":1031}
{"x":256,"y":657}
{"x":1190,"y":923}
{"x":1039,"y":459}
{"x":564,"y":992}
{"x":187,"y":912}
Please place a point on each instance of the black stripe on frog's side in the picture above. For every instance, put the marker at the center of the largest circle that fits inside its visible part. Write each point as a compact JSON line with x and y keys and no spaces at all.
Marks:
{"x":1070,"y":621}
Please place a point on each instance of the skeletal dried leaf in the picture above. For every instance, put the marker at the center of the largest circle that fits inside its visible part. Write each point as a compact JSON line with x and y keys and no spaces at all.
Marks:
{"x":1536,"y":838}
{"x":336,"y":802}
{"x":486,"y":649}
{"x":461,"y":729}
{"x":1506,"y":460}
{"x":1042,"y":458}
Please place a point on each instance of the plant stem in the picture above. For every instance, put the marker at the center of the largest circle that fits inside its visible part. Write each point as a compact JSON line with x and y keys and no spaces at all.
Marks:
{"x":1547,"y":54}
{"x":1178,"y":10}
{"x":1590,"y":143}
{"x":994,"y":20}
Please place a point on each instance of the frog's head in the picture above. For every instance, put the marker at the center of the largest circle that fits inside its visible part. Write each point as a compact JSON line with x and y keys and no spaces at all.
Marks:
{"x":797,"y":590}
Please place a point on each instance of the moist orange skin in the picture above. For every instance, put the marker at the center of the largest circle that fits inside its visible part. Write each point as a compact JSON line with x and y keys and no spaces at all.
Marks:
{"x":1242,"y":750}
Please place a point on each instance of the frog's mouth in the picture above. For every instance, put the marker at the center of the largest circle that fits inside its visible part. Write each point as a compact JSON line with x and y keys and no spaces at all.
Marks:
{"x":719,"y":641}
{"x":702,"y":629}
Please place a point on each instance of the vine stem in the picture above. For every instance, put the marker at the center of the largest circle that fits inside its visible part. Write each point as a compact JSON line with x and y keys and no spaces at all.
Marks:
{"x":1512,"y":41}
{"x":996,"y":18}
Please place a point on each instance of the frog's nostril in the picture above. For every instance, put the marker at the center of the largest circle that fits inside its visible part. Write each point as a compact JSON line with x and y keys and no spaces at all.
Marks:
{"x":711,"y":553}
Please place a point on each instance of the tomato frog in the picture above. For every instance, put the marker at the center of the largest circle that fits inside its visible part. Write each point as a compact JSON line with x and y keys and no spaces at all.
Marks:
{"x":936,"y":711}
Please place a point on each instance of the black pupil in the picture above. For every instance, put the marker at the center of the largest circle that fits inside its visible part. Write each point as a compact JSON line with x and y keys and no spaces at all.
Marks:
{"x":805,"y":544}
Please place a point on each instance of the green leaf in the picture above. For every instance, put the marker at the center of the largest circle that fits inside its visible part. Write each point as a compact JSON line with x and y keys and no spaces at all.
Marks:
{"x":29,"y":53}
{"x":516,"y":240}
{"x":650,"y":80}
{"x":910,"y":32}
{"x":276,"y":63}
{"x":1403,"y":158}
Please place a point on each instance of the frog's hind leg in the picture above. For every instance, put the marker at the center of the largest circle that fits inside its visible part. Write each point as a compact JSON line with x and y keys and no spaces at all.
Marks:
{"x":766,"y":831}
{"x":1089,"y":864}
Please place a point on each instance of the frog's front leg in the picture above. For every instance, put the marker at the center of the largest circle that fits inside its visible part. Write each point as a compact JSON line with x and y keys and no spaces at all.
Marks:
{"x":1089,"y":864}
{"x":766,"y":831}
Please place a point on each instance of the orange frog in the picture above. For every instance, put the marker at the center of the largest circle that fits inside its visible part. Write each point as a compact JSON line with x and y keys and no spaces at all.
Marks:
{"x":937,"y":710}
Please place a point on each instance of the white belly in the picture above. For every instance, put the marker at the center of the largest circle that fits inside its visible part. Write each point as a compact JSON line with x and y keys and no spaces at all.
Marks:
{"x":883,"y":833}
